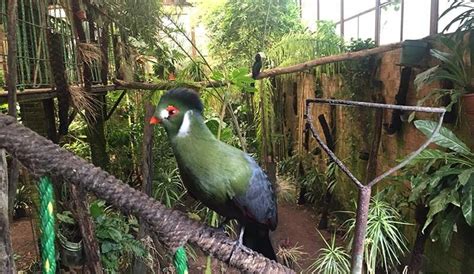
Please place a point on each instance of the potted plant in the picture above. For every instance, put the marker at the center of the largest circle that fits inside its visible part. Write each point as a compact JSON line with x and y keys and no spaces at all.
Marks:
{"x":22,"y":202}
{"x":70,"y":241}
{"x":454,"y":67}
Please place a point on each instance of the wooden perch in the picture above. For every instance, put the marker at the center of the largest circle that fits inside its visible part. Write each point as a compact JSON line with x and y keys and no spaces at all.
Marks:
{"x":327,"y":60}
{"x":164,"y":85}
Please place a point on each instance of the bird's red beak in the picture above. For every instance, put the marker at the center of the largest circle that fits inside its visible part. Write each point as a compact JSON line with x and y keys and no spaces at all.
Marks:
{"x":154,"y":120}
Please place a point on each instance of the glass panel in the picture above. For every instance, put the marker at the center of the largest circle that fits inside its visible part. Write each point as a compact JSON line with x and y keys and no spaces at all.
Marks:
{"x":330,"y":10}
{"x":417,"y":19}
{"x":390,"y":24}
{"x":352,"y":7}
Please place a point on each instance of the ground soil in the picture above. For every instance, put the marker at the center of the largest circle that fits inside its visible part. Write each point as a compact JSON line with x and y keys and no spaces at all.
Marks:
{"x":296,"y":226}
{"x":24,"y":244}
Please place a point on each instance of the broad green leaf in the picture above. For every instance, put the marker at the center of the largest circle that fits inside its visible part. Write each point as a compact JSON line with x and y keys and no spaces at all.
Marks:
{"x":217,"y":76}
{"x":439,"y":204}
{"x":468,"y":201}
{"x":446,"y":227}
{"x":465,"y":175}
{"x":444,"y":138}
{"x":430,"y":154}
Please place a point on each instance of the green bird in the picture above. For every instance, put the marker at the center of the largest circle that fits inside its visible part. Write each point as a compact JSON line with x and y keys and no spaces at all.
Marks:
{"x":222,"y":177}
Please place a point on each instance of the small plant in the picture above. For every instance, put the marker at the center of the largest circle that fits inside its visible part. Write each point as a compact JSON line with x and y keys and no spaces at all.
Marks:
{"x":22,"y":201}
{"x":115,"y":235}
{"x":384,"y":242}
{"x":290,"y":255}
{"x":332,"y":259}
{"x":168,"y":188}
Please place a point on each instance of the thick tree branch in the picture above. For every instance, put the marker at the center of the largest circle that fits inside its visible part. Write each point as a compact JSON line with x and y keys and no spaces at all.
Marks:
{"x":327,"y":60}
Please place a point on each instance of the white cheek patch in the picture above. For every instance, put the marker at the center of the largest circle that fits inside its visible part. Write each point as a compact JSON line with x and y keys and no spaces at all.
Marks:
{"x":164,"y":114}
{"x":186,"y":124}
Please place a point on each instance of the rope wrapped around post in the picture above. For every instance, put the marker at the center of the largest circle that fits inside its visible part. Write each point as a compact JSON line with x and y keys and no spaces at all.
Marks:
{"x":173,"y":227}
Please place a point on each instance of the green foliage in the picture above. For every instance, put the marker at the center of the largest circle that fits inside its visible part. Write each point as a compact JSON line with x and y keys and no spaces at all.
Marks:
{"x":141,"y":18}
{"x":452,"y":68}
{"x":167,"y":59}
{"x":115,"y":235}
{"x":465,"y":19}
{"x":240,"y":29}
{"x":444,"y":182}
{"x":290,"y":255}
{"x":194,"y":70}
{"x":298,"y":47}
{"x":2,"y":80}
{"x":332,"y":259}
{"x":357,"y":74}
{"x":168,"y":187}
{"x":384,"y":242}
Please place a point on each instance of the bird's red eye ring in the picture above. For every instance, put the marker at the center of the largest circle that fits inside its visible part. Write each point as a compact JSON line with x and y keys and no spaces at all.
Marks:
{"x":172,"y":110}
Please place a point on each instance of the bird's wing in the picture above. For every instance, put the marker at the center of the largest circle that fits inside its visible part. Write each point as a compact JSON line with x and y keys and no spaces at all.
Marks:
{"x":258,"y":203}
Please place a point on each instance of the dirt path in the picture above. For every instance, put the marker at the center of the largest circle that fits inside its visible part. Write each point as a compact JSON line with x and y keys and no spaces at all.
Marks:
{"x":23,"y":244}
{"x":296,"y":226}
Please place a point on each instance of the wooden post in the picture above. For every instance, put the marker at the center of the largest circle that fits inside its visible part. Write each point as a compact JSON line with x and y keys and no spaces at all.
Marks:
{"x":434,"y":17}
{"x":377,"y":22}
{"x":96,"y":138}
{"x":147,"y":173}
{"x":58,"y":69}
{"x":7,"y":263}
{"x":12,"y":101}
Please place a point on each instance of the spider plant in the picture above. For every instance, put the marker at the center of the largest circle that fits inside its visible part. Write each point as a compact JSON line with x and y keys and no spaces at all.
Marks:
{"x":332,"y":259}
{"x":384,"y":242}
{"x":290,"y":255}
{"x":452,"y":68}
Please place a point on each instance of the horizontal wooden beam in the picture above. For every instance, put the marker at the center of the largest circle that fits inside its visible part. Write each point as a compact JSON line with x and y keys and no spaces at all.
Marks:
{"x":327,"y":60}
{"x":28,"y":95}
{"x":165,"y":85}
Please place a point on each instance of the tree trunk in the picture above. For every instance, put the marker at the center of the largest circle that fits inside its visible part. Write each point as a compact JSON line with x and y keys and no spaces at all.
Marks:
{"x":81,"y":213}
{"x":94,"y":115}
{"x":147,"y":172}
{"x":12,"y":80}
{"x":97,"y":142}
{"x":416,"y":257}
{"x":7,"y":264}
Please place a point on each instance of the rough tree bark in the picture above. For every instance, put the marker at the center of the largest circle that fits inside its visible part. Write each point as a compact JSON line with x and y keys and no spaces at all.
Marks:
{"x":12,"y":101}
{"x":96,"y":138}
{"x":147,"y":173}
{"x":7,"y":264}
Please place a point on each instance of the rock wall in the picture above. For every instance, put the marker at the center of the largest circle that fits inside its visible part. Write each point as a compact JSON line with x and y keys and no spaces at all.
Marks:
{"x":354,"y":133}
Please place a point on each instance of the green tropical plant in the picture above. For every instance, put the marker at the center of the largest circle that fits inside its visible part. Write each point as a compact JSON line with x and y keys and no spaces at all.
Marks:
{"x":115,"y":235}
{"x":168,"y":188}
{"x":332,"y":259}
{"x":297,"y":47}
{"x":452,"y":68}
{"x":443,"y":183}
{"x":384,"y":241}
{"x":465,"y":20}
{"x":240,"y":29}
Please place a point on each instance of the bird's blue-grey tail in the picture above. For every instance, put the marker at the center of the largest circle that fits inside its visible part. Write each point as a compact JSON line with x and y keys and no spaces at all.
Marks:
{"x":257,"y":238}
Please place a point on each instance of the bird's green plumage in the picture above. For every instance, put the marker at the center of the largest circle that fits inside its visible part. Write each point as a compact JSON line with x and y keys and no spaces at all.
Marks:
{"x":200,"y":154}
{"x":222,"y":177}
